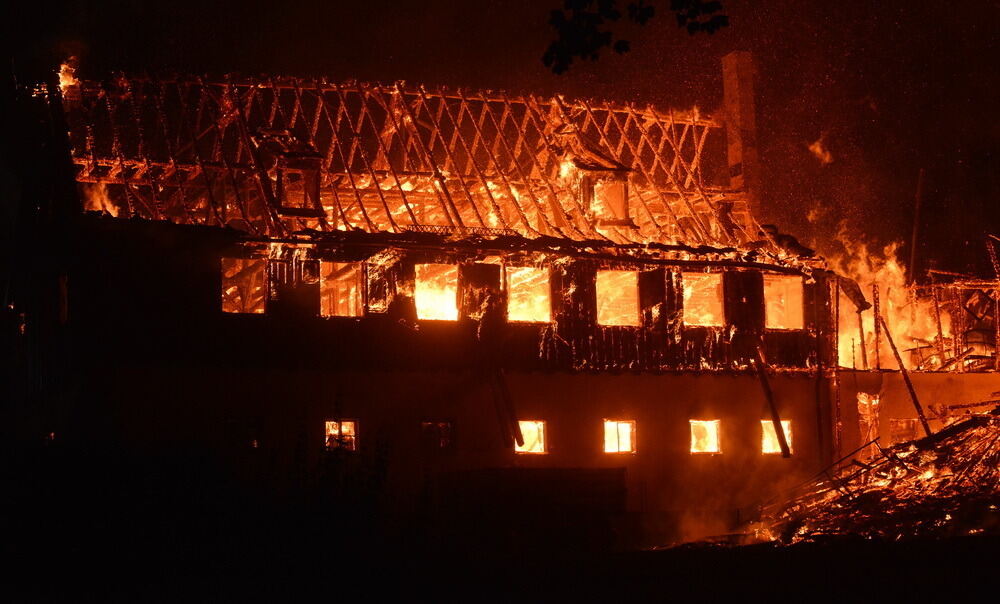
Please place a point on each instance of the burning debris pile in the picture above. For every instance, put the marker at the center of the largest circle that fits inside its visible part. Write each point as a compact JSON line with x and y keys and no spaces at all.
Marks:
{"x":944,"y":485}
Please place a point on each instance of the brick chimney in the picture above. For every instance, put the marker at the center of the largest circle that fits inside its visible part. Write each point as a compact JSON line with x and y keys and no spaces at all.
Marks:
{"x":741,"y":128}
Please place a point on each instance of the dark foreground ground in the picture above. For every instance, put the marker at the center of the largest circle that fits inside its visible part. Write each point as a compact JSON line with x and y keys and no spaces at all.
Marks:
{"x":77,"y":529}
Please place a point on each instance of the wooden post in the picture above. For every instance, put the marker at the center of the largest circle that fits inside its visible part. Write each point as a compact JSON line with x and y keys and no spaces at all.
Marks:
{"x":991,"y":243}
{"x":861,"y":335}
{"x":837,"y":435}
{"x":937,"y":318}
{"x":906,"y":377}
{"x":761,"y":364}
{"x":878,"y":331}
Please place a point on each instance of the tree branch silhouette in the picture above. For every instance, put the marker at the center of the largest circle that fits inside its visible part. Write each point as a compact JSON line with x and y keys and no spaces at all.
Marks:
{"x":584,"y":27}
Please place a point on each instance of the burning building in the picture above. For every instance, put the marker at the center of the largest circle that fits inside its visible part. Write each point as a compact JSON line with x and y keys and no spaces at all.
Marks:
{"x":488,"y":306}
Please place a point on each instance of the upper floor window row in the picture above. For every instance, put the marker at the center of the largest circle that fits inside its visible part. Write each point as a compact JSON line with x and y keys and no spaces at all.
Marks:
{"x":437,"y":293}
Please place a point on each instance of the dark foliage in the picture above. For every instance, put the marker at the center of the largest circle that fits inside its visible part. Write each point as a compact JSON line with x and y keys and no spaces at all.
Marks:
{"x":583,"y":26}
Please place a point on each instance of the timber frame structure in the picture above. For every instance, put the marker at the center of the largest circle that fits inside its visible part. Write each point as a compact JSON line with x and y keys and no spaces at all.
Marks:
{"x":304,"y":171}
{"x":397,"y":158}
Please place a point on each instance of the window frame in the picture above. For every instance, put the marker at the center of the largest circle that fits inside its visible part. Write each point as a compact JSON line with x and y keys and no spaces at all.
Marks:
{"x":416,"y":289}
{"x":718,"y":436}
{"x":786,"y":426}
{"x":720,"y":275}
{"x":543,"y":424}
{"x":802,"y":294}
{"x":437,"y":423}
{"x":632,"y":439}
{"x":362,"y":283}
{"x":597,"y":298}
{"x":548,"y":294}
{"x":340,"y":447}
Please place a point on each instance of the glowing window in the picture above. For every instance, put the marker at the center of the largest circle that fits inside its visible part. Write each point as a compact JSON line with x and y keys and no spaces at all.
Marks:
{"x":436,"y":292}
{"x":783,"y":302}
{"x":244,"y":285}
{"x":705,"y":436}
{"x":703,"y":299}
{"x":340,"y":289}
{"x":619,"y":436}
{"x":769,"y":438}
{"x":528,"y":294}
{"x":533,"y":432}
{"x":341,"y":434}
{"x":617,"y":298}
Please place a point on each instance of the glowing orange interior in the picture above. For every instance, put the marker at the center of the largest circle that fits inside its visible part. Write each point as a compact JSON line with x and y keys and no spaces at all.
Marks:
{"x":341,"y":435}
{"x":783,"y":303}
{"x":705,"y":436}
{"x":528,"y":295}
{"x":340,"y":289}
{"x":618,"y":298}
{"x":533,"y":432}
{"x":769,"y":438}
{"x":703,"y":299}
{"x":619,"y":436}
{"x":436,"y":292}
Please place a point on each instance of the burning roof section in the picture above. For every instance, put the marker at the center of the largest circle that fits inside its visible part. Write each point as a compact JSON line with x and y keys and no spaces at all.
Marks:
{"x":280,"y":156}
{"x":946,"y":484}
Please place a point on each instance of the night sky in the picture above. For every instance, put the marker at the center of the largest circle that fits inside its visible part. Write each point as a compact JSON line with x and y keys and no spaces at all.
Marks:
{"x":890,"y":86}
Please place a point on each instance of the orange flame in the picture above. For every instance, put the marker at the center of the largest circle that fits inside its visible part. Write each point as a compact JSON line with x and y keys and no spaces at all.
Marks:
{"x":67,"y":74}
{"x":96,"y":199}
{"x":436,"y":294}
{"x":912,"y":321}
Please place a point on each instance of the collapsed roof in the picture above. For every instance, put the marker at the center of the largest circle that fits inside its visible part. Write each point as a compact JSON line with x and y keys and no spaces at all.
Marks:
{"x":280,"y":156}
{"x":947,"y":484}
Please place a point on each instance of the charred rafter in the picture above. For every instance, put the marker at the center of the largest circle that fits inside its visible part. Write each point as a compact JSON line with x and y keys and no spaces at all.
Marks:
{"x":392,"y":158}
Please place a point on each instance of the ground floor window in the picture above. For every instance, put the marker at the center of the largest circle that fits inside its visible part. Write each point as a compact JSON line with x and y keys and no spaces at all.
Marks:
{"x":436,"y":436}
{"x":341,"y":434}
{"x":533,"y":432}
{"x":769,"y":437}
{"x":619,"y":436}
{"x":705,"y":436}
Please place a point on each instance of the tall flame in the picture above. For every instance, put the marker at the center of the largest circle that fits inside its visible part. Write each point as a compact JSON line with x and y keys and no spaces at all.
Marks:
{"x":96,"y":199}
{"x":67,"y":74}
{"x":912,"y":321}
